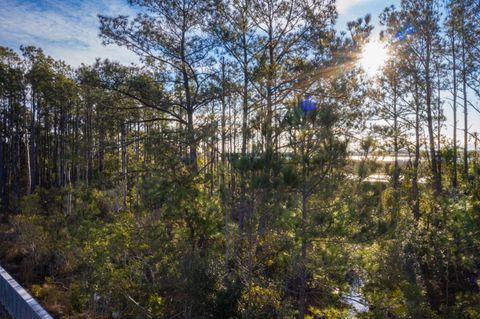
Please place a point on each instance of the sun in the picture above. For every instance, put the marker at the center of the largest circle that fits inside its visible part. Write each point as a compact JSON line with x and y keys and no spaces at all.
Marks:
{"x":373,"y":57}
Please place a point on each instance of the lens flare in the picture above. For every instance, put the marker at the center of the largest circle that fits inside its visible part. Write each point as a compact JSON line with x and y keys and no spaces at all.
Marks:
{"x":405,"y":33}
{"x":373,"y":57}
{"x":309,"y":104}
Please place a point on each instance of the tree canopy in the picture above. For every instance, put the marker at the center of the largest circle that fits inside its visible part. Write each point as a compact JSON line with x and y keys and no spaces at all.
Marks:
{"x":247,"y":166}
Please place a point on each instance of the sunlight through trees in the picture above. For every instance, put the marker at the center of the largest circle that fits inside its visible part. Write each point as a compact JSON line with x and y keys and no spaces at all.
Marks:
{"x":256,"y":163}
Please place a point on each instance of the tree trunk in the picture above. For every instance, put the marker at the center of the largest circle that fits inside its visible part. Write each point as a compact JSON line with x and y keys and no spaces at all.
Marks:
{"x":396,"y":173}
{"x":124,"y":163}
{"x":3,"y":177}
{"x":416,"y":195}
{"x":223,"y":188}
{"x":437,"y":183}
{"x":439,"y":124}
{"x":192,"y":144}
{"x":454,"y":67}
{"x":243,"y":204}
{"x":302,"y":302}
{"x":33,"y":144}
{"x":465,"y":106}
{"x":268,"y":133}
{"x":475,"y":163}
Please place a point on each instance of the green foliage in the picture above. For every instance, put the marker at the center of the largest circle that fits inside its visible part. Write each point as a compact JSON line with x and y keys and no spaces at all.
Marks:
{"x":174,"y":189}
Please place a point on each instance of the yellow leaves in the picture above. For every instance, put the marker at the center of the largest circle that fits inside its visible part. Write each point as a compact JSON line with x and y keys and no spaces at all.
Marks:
{"x":155,"y":303}
{"x":261,"y":298}
{"x":328,"y":313}
{"x":36,"y":290}
{"x":55,"y":299}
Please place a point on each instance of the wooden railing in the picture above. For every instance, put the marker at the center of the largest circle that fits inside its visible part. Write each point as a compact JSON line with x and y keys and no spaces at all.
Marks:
{"x":17,"y":302}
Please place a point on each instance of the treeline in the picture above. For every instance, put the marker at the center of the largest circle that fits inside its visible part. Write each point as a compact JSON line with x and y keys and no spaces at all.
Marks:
{"x":214,"y":180}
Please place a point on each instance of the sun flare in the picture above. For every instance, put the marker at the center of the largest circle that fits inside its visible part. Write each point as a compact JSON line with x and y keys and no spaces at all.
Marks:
{"x":373,"y":57}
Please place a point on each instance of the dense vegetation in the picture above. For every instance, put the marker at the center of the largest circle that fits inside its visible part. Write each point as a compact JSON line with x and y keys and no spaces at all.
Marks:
{"x":214,"y":179}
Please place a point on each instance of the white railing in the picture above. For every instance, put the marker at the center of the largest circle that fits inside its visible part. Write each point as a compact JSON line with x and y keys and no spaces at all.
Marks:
{"x":17,"y":301}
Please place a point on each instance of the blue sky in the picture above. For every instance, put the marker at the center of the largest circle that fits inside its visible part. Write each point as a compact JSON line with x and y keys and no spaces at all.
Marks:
{"x":68,"y":29}
{"x":64,"y":29}
{"x":352,"y":9}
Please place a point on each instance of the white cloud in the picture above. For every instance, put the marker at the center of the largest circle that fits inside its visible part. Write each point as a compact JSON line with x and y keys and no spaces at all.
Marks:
{"x":65,"y":30}
{"x":343,"y":6}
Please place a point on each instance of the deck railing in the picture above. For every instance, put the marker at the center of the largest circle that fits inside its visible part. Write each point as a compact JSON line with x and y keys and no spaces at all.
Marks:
{"x":17,"y":301}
